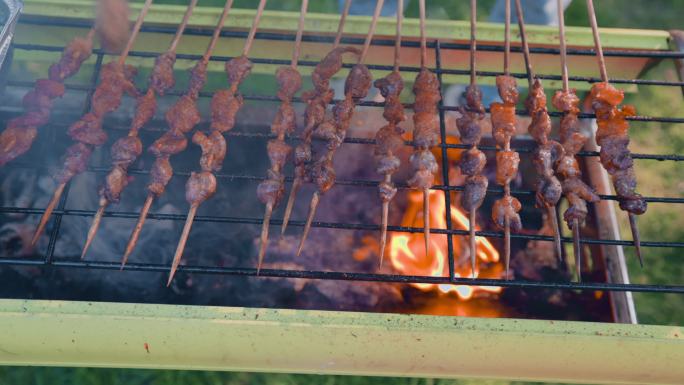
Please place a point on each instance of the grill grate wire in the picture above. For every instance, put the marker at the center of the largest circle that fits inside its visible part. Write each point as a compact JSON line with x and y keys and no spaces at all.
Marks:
{"x":437,"y":46}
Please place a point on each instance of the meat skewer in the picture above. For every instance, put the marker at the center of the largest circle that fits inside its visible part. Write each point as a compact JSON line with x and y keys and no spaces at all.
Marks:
{"x":474,"y":160}
{"x":548,"y":151}
{"x":613,"y":137}
{"x":334,"y":128}
{"x":182,"y":117}
{"x":426,"y":89}
{"x":127,"y":149}
{"x":18,"y":136}
{"x":116,"y":78}
{"x":317,"y":101}
{"x":271,"y":190}
{"x":388,"y":138}
{"x":505,"y":210}
{"x":567,"y":167}
{"x":224,"y":106}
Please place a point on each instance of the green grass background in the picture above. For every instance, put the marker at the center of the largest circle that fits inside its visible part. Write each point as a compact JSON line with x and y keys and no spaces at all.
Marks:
{"x":663,"y":222}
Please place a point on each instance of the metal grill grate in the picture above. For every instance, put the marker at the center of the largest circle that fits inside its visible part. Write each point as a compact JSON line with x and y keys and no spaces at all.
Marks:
{"x":437,"y":47}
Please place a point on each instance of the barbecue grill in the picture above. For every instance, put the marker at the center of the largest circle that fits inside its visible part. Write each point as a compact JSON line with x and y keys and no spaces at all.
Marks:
{"x":60,"y":329}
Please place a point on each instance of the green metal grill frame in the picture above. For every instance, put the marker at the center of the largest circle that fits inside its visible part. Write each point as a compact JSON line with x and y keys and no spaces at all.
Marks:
{"x":71,"y":333}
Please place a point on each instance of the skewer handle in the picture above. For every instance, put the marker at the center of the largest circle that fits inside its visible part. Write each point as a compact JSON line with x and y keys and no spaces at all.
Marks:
{"x":340,"y":25}
{"x":134,"y":33}
{"x":255,"y":25}
{"x":507,"y":38}
{"x":300,"y":30}
{"x":563,"y":49}
{"x":217,"y":30}
{"x":423,"y":38}
{"x":371,"y":30}
{"x":183,"y":24}
{"x":597,"y":40}
{"x":397,"y":41}
{"x":473,"y":40}
{"x":526,"y":46}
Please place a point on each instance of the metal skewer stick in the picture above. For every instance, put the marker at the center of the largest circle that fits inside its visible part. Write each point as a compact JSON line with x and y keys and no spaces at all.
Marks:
{"x":472,"y":213}
{"x":507,"y":187}
{"x":388,"y":177}
{"x":269,"y":207}
{"x":426,"y":191}
{"x":134,"y":132}
{"x":90,"y":34}
{"x":423,"y":38}
{"x":340,"y":25}
{"x":135,"y":235}
{"x":60,"y":188}
{"x":297,"y":183}
{"x":551,"y":210}
{"x":604,"y":77}
{"x":193,"y":208}
{"x":576,"y":240}
{"x":316,"y":196}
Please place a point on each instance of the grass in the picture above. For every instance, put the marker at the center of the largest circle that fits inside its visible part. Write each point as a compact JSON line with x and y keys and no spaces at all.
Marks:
{"x":663,"y":222}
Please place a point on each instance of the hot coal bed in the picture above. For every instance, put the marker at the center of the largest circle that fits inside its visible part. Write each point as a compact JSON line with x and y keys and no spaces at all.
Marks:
{"x":226,"y":231}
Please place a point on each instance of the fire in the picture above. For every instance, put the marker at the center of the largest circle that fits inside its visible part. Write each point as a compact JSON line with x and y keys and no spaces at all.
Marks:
{"x":407,"y":251}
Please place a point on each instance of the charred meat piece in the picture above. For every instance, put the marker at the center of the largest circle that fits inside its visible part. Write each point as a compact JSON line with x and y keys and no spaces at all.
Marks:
{"x":508,"y":89}
{"x":200,"y":187}
{"x":506,"y":166}
{"x":183,"y":116}
{"x":73,"y":56}
{"x":507,"y":207}
{"x":473,"y":161}
{"x":18,"y":136}
{"x":474,"y":192}
{"x":75,"y":162}
{"x":390,"y":88}
{"x":146,"y":106}
{"x":162,"y":78}
{"x":329,"y":66}
{"x":15,"y":140}
{"x":503,"y":123}
{"x":115,"y":80}
{"x":160,"y":174}
{"x":224,"y":107}
{"x":573,"y":188}
{"x":387,"y":141}
{"x":237,"y":70}
{"x":213,"y":150}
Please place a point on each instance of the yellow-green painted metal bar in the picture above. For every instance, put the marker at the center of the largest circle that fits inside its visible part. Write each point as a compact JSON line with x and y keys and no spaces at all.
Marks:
{"x":319,"y":24}
{"x":226,"y":338}
{"x":327,"y":23}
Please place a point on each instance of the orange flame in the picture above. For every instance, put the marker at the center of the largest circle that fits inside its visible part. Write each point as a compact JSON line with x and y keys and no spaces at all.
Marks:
{"x":407,"y":251}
